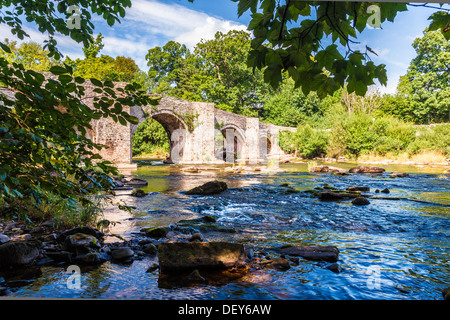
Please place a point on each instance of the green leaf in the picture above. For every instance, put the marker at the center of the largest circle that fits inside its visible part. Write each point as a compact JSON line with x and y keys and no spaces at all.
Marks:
{"x":58,"y":70}
{"x":96,"y":82}
{"x":5,"y":47}
{"x":244,"y":5}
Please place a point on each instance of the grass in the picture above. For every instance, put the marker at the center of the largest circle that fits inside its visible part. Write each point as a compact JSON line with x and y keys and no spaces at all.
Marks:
{"x":423,"y":157}
{"x":156,"y":153}
{"x":63,"y":212}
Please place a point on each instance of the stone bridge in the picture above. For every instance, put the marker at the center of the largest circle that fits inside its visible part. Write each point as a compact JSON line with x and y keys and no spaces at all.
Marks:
{"x":198,"y":133}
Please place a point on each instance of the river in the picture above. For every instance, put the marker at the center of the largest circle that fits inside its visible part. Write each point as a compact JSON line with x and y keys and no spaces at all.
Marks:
{"x":389,"y":249}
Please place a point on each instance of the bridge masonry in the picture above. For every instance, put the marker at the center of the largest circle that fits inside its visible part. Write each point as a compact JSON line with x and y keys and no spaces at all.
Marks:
{"x":198,"y":133}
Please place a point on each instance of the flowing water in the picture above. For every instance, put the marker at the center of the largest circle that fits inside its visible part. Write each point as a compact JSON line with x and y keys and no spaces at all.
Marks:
{"x":389,"y":249}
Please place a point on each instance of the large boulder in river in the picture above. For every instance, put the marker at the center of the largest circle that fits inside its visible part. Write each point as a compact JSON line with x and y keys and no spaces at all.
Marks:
{"x":337,"y":195}
{"x":188,"y":256}
{"x":19,"y":253}
{"x":211,"y":187}
{"x":365,"y":169}
{"x":80,"y":243}
{"x":85,"y":230}
{"x":326,"y":169}
{"x":316,"y":253}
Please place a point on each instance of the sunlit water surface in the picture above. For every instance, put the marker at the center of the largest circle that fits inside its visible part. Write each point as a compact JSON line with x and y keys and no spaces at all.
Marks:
{"x":390,"y":249}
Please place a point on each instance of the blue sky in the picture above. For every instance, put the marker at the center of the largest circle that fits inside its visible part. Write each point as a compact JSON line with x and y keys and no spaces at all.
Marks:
{"x":151,"y":23}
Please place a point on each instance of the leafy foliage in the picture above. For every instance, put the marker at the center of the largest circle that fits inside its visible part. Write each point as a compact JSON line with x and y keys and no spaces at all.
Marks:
{"x":150,"y":137}
{"x":215,"y":72}
{"x":45,"y":117}
{"x":426,"y":86}
{"x":294,"y":37}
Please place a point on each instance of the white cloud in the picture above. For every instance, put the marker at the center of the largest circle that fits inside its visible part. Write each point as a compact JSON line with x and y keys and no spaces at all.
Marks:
{"x":176,"y":22}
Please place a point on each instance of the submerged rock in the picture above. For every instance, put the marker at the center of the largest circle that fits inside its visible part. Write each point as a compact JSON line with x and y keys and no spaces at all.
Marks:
{"x":122,"y":253}
{"x":280,"y":264}
{"x":365,"y":169}
{"x":188,"y":256}
{"x":209,"y":188}
{"x":335,"y":268}
{"x":203,"y":224}
{"x":91,"y":258}
{"x":399,"y":174}
{"x":138,"y":193}
{"x":317,"y":253}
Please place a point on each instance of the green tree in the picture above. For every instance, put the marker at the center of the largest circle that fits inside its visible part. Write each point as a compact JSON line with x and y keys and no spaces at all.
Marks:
{"x":149,"y":137}
{"x":104,"y":67}
{"x":43,"y":124}
{"x":30,"y":54}
{"x":165,"y":65}
{"x":289,"y":106}
{"x":215,"y":72}
{"x":426,"y":85}
{"x":231,"y":81}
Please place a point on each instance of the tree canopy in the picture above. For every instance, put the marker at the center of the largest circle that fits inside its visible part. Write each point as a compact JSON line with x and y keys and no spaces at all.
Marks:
{"x":426,"y":85}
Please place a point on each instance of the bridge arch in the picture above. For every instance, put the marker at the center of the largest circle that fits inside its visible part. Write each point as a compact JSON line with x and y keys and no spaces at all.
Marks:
{"x":230,"y":134}
{"x":176,"y":129}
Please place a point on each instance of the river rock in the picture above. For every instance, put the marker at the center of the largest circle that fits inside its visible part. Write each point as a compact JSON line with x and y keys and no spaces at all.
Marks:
{"x":352,"y":189}
{"x":209,"y":188}
{"x":150,"y":248}
{"x":399,"y":174}
{"x":360,"y":201}
{"x":122,"y":253}
{"x":137,"y":183}
{"x":385,"y":190}
{"x":4,"y":238}
{"x":280,"y":264}
{"x":80,"y":243}
{"x":326,"y":169}
{"x":365,"y":169}
{"x":19,"y":253}
{"x":335,"y":196}
{"x":196,"y":237}
{"x":188,"y":256}
{"x":91,"y":258}
{"x":84,"y":230}
{"x":138,"y":193}
{"x":316,"y":253}
{"x":157,"y":232}
{"x":335,"y":268}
